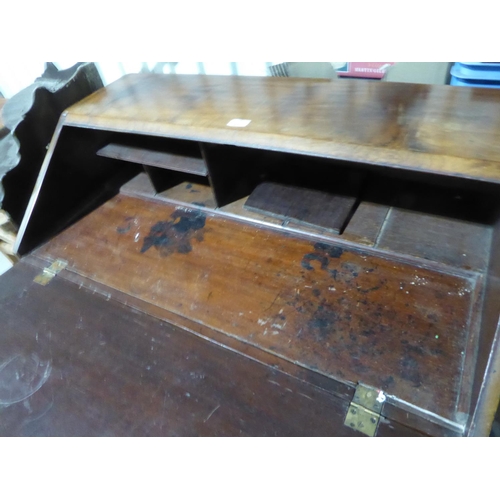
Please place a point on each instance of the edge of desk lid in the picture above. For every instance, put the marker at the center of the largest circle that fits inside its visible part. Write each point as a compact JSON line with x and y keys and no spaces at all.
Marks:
{"x":428,"y":128}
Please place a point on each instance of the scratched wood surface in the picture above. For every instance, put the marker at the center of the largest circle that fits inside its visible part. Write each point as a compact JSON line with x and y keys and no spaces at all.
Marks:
{"x":442,"y":129}
{"x":351,"y":315}
{"x":74,"y":363}
{"x":451,"y":241}
{"x":307,"y":206}
{"x":363,"y":227}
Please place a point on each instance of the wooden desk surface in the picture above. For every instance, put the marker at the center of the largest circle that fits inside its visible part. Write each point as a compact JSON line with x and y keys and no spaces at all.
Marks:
{"x":332,"y":309}
{"x":76,"y":363}
{"x":431,"y":128}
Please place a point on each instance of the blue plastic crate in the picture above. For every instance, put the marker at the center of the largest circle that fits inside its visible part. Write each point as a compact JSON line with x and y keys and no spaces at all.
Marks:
{"x":489,"y":72}
{"x":458,"y":82}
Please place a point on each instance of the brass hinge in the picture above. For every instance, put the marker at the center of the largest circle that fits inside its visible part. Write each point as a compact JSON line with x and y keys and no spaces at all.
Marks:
{"x":364,"y":411}
{"x":49,"y":272}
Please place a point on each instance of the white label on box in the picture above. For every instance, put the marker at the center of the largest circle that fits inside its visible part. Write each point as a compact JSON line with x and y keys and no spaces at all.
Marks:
{"x":238,"y":122}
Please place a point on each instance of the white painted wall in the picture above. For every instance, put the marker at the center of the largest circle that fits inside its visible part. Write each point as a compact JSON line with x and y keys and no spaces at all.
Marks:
{"x":18,"y":75}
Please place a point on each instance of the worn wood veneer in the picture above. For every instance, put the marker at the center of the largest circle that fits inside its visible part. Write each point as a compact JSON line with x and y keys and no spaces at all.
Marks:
{"x":363,"y":228}
{"x":431,"y":128}
{"x":405,"y":299}
{"x":333,"y":309}
{"x":94,"y":367}
{"x":307,"y":206}
{"x":453,"y":242}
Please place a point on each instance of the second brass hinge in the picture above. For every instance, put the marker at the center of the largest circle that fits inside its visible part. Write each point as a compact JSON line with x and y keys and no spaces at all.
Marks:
{"x":364,"y":411}
{"x":49,"y":272}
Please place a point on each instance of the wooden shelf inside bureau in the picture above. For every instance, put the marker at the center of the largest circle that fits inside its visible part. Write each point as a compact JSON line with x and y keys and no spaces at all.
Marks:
{"x":151,"y":158}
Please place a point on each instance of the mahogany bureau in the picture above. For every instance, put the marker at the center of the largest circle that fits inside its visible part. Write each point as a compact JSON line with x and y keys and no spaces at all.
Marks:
{"x":209,"y":255}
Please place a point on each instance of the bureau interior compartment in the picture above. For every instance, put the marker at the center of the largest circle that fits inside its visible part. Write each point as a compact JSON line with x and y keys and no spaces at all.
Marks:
{"x":90,"y":166}
{"x":449,"y":223}
{"x":342,"y":312}
{"x":433,"y":217}
{"x":445,"y":225}
{"x":165,"y":161}
{"x":173,"y":169}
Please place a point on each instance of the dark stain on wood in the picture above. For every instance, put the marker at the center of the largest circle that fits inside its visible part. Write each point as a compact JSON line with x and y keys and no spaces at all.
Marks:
{"x":332,"y":251}
{"x":322,"y":254}
{"x":94,"y":367}
{"x":410,"y":370}
{"x":366,"y":306}
{"x":362,"y":334}
{"x":126,"y":227}
{"x":175,"y":235}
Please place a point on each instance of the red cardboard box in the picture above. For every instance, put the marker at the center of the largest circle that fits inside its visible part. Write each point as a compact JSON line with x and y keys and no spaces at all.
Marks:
{"x":363,"y":69}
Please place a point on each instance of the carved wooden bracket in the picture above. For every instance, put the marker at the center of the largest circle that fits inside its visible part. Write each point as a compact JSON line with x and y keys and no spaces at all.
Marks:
{"x":29,"y":120}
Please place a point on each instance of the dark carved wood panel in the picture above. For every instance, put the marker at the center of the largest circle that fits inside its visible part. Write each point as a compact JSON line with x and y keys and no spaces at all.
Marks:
{"x":31,"y":117}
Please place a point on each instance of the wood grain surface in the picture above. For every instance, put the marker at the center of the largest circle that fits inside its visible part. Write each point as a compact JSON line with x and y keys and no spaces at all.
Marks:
{"x":310,"y":207}
{"x":486,"y":390}
{"x":348,"y":314}
{"x":451,"y":241}
{"x":395,"y":302}
{"x":74,"y":363}
{"x":151,"y":158}
{"x":436,"y":238}
{"x":441,"y":129}
{"x":363,"y":227}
